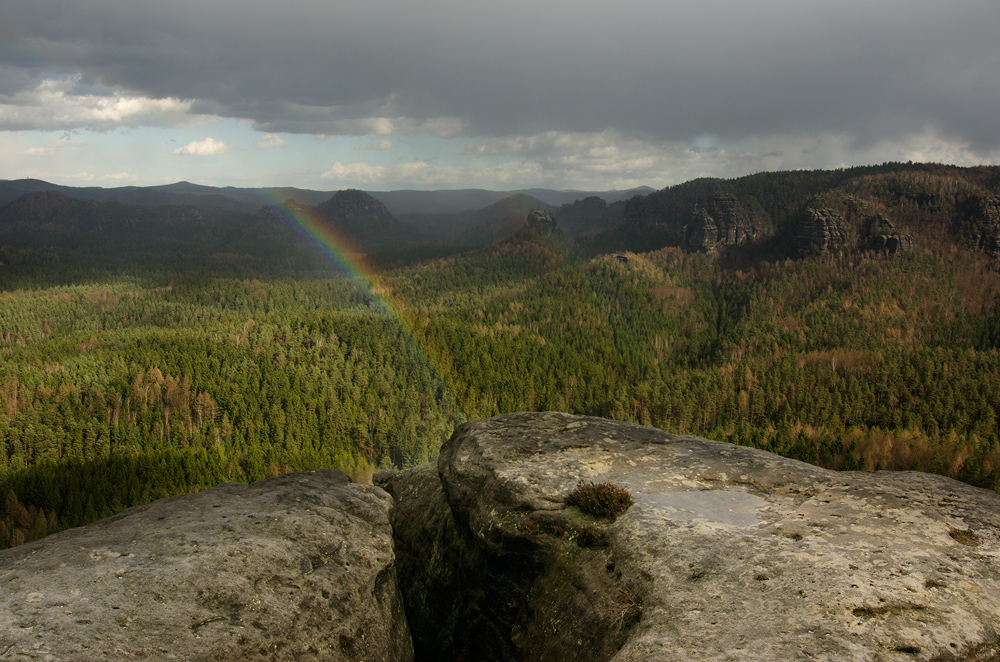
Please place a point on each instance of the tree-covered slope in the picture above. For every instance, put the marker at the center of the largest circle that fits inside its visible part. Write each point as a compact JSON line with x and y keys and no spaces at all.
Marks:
{"x":117,"y":389}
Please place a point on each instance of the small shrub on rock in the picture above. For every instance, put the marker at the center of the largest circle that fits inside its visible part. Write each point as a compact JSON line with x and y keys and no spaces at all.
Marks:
{"x":590,"y":537}
{"x":600,"y":499}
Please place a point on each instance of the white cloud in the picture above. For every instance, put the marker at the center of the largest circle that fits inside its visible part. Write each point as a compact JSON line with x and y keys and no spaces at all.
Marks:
{"x":47,"y":150}
{"x":120,"y":177}
{"x":355,"y":172}
{"x":112,"y":178}
{"x":421,"y":174}
{"x":610,"y":159}
{"x":269,"y":141}
{"x":380,"y":146}
{"x":382,"y":127}
{"x":57,"y":104}
{"x":207,"y":147}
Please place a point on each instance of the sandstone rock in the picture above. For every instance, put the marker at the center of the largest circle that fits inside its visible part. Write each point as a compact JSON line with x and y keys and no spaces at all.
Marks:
{"x":884,"y":237}
{"x":541,"y":221}
{"x":297,"y":567}
{"x":441,"y":572}
{"x":728,"y":553}
{"x":891,"y":243}
{"x":721,"y":222}
{"x":985,"y":227}
{"x":821,"y":231}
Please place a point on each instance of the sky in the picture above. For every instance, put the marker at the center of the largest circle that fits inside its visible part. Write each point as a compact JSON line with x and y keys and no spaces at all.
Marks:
{"x":446,"y":94}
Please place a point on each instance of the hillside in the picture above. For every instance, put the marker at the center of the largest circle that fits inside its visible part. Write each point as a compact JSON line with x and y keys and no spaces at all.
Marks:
{"x":367,"y":223}
{"x":478,"y":227}
{"x":850,"y":319}
{"x":769,"y":213}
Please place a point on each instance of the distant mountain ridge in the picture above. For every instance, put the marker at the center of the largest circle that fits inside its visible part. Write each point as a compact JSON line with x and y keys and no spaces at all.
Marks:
{"x":380,"y":222}
{"x":478,"y":227}
{"x":889,"y":208}
{"x":250,"y":199}
{"x":367,"y":222}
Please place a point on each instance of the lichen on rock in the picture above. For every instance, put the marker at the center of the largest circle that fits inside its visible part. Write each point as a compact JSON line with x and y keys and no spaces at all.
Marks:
{"x":728,"y":552}
{"x":296,"y":567}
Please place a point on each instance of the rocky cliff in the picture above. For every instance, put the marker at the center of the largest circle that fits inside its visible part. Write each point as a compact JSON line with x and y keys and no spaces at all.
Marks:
{"x":822,"y":231}
{"x":725,"y":553}
{"x":883,"y":237}
{"x":705,"y":222}
{"x":980,"y":224}
{"x":722,"y":221}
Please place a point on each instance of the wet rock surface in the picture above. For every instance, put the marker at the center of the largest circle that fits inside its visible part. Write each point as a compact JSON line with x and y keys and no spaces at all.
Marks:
{"x":727,"y":553}
{"x":296,"y":567}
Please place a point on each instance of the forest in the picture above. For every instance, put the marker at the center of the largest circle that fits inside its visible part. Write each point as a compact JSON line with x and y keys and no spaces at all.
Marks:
{"x":125,"y":382}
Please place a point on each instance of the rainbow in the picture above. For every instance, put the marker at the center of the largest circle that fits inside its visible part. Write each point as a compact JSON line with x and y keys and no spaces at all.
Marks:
{"x":338,"y":251}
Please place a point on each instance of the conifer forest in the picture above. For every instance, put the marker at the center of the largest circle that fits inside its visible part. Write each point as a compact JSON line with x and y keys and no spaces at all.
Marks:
{"x":848,"y":319}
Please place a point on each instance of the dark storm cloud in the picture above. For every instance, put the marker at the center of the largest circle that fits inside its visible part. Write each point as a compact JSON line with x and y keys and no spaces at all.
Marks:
{"x":664,"y":70}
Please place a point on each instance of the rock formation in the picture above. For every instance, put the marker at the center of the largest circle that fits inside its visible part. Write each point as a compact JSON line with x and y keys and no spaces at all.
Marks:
{"x":883,"y":236}
{"x":542,"y":222}
{"x":727,"y":553}
{"x":981,"y":225}
{"x":722,"y":221}
{"x":297,"y":567}
{"x":821,"y":231}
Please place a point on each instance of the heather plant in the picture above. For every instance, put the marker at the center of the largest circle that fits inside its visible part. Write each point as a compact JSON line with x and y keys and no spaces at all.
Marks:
{"x":600,"y":499}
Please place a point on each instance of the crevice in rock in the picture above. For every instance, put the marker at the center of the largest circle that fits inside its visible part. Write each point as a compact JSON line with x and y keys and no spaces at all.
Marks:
{"x":525,"y":589}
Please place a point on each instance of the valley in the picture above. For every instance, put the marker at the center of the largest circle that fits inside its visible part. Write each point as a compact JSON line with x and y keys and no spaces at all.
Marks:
{"x":846,"y":318}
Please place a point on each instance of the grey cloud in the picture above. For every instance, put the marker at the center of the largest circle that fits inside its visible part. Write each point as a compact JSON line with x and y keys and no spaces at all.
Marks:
{"x":663,"y":70}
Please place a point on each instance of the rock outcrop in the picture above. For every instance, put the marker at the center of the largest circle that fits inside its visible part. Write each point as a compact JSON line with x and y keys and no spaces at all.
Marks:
{"x":542,"y":222}
{"x":722,"y":221}
{"x":979,"y":224}
{"x":885,"y":238}
{"x":821,"y":231}
{"x":297,"y":567}
{"x":727,"y":553}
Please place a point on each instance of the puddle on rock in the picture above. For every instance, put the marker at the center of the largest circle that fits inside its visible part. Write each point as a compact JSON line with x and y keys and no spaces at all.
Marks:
{"x":729,"y":507}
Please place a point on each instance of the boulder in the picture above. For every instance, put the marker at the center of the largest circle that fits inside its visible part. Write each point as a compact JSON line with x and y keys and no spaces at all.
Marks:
{"x":296,"y":567}
{"x":726,"y":553}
